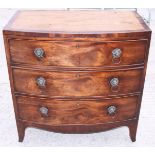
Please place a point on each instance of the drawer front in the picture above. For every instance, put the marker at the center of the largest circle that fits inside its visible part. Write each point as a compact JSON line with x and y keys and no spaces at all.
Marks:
{"x":54,"y":112}
{"x":77,"y":54}
{"x":77,"y":83}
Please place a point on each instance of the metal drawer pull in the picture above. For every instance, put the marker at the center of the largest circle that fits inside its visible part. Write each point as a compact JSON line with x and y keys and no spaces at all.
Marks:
{"x":44,"y":111}
{"x":114,"y":82}
{"x":41,"y":82}
{"x":116,"y":53}
{"x":111,"y":110}
{"x":39,"y":53}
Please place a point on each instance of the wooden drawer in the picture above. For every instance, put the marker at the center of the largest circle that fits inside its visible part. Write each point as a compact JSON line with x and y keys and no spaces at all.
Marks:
{"x":77,"y":83}
{"x":77,"y":112}
{"x":78,"y":54}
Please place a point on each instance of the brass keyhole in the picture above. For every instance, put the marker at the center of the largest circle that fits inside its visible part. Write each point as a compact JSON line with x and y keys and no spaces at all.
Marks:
{"x":77,"y":104}
{"x":78,"y":75}
{"x":77,"y":45}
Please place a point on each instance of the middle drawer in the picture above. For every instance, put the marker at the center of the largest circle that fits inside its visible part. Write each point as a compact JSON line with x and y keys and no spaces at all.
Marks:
{"x":77,"y":83}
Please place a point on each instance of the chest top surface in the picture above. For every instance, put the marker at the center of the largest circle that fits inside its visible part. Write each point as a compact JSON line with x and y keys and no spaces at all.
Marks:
{"x":77,"y":21}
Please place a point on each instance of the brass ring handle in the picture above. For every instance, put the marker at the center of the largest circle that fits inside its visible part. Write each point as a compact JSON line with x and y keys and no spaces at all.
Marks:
{"x":41,"y":82}
{"x":116,"y":53}
{"x":39,"y":53}
{"x":44,"y":111}
{"x":111,"y":110}
{"x":114,"y":82}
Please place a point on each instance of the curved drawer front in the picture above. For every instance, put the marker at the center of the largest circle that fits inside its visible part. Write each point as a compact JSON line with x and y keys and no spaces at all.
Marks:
{"x":77,"y":54}
{"x":77,"y":83}
{"x":54,"y":112}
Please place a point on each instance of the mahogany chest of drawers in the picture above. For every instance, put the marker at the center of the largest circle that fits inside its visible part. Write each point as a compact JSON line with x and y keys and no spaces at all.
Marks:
{"x":77,"y":71}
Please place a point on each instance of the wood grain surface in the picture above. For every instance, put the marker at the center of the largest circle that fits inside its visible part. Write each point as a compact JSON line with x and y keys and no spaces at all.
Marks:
{"x":72,"y":24}
{"x":76,"y":112}
{"x":77,"y":54}
{"x":77,"y":83}
{"x":77,"y":21}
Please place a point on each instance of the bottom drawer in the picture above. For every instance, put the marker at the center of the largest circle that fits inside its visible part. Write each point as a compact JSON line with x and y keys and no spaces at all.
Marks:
{"x":57,"y":112}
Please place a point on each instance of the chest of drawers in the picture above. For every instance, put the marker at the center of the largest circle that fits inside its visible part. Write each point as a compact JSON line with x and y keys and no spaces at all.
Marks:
{"x":77,"y":71}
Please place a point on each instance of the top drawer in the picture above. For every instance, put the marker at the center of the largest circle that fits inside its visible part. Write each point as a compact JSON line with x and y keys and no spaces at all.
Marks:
{"x":77,"y":54}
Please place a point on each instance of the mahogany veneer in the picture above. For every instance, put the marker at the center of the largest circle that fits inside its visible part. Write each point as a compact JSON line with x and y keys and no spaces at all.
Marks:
{"x":77,"y":71}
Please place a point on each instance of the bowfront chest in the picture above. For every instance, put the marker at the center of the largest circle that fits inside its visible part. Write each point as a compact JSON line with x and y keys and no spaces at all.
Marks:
{"x":77,"y":71}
